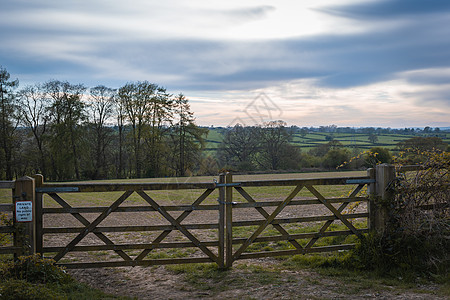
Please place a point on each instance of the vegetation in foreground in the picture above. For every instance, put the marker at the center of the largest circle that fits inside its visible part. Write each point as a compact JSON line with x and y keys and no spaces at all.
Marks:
{"x":32,"y":277}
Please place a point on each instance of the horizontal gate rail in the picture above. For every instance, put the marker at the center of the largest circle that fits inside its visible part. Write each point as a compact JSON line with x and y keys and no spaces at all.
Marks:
{"x":96,"y":209}
{"x":133,"y":246}
{"x":296,"y":202}
{"x":48,"y":230}
{"x":119,"y":187}
{"x":9,"y":207}
{"x":296,"y":251}
{"x":300,"y":219}
{"x":134,"y":263}
{"x":305,"y":182}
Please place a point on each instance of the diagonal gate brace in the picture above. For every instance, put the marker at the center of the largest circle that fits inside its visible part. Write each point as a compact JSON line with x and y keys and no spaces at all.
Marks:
{"x":92,"y":226}
{"x":181,"y":228}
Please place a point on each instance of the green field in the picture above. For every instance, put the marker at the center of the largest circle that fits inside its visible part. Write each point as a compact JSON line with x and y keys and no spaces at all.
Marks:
{"x":359,"y":141}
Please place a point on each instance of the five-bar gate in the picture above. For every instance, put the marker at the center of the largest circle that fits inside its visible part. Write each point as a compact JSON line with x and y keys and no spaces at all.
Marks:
{"x":141,"y":224}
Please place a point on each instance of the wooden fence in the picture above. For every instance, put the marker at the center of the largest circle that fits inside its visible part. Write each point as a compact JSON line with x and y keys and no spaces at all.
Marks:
{"x":241,"y":222}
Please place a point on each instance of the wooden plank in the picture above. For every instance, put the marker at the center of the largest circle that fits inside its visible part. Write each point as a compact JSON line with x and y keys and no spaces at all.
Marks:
{"x":112,"y":187}
{"x":298,"y":202}
{"x":132,"y":246}
{"x":180,"y":218}
{"x":301,"y":219}
{"x":175,"y":223}
{"x":6,"y":184}
{"x":57,"y":189}
{"x":296,"y":182}
{"x":48,"y":230}
{"x":9,"y":207}
{"x":299,"y":236}
{"x":109,"y":187}
{"x":146,"y":208}
{"x":134,"y":263}
{"x":267,"y":222}
{"x":360,"y":181}
{"x":92,"y":225}
{"x":296,"y":251}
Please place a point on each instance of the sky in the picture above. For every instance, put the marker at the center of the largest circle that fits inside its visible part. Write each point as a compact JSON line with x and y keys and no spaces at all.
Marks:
{"x":357,"y":63}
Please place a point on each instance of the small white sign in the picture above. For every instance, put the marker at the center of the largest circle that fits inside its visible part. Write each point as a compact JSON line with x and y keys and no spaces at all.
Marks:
{"x":24,"y":211}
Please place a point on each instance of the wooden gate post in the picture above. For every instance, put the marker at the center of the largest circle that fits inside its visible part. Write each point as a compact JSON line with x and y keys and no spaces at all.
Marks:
{"x":24,"y":215}
{"x":378,"y":206}
{"x":229,"y":221}
{"x":371,"y":192}
{"x":39,"y":181}
{"x":222,"y":221}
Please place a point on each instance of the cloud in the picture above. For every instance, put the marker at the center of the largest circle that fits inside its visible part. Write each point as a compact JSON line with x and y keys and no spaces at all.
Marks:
{"x":388,"y":9}
{"x":111,"y":43}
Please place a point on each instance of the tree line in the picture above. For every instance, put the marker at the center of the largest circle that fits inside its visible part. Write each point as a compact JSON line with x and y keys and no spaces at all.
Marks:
{"x":68,"y":131}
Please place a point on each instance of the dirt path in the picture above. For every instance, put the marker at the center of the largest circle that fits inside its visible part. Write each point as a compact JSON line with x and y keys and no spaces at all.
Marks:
{"x":243,"y":281}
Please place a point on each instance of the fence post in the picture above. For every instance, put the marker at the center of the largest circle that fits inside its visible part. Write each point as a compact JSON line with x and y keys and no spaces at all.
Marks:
{"x":229,"y":221}
{"x":39,"y":181}
{"x":24,"y":215}
{"x":371,"y":191}
{"x":385,"y":175}
{"x":222,"y":201}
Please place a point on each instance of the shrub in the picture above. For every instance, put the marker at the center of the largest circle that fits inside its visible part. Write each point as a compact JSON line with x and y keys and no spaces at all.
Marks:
{"x":5,"y":238}
{"x":417,"y":238}
{"x":23,"y":290}
{"x":34,"y":269}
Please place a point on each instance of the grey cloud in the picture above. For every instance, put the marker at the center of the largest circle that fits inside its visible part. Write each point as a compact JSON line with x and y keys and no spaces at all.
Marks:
{"x":336,"y":60}
{"x":387,"y":9}
{"x":250,"y":13}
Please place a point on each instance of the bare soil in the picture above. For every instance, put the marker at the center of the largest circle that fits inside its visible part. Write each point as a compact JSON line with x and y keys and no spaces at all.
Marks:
{"x":163,"y":283}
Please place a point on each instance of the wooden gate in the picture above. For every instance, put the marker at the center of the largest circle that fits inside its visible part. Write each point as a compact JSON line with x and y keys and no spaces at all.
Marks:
{"x":113,"y":224}
{"x":295,"y":243}
{"x":213,"y":251}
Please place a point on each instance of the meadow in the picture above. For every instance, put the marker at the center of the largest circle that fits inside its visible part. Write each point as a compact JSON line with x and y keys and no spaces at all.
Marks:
{"x":351,"y":141}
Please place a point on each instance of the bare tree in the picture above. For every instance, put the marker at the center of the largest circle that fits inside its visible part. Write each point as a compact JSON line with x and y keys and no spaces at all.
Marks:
{"x":101,"y":108}
{"x":67,"y":114}
{"x":34,"y":111}
{"x":8,"y":121}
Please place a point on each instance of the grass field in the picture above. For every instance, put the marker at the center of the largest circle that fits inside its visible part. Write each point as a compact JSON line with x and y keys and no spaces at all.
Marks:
{"x":359,"y":141}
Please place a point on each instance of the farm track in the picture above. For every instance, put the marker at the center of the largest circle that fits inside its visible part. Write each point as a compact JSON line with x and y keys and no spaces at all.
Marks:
{"x":252,"y":279}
